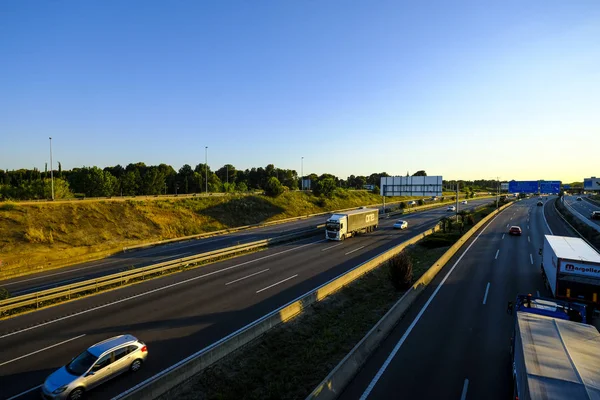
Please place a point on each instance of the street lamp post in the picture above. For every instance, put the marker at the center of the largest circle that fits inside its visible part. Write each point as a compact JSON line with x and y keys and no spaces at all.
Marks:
{"x":51,"y":173}
{"x":497,"y":191}
{"x":206,"y":166}
{"x":302,"y":172}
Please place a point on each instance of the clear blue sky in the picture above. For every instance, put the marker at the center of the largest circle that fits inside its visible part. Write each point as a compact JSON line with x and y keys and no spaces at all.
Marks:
{"x":463,"y":89}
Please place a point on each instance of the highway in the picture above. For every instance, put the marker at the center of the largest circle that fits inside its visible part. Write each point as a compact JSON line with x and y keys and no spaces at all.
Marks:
{"x":139,"y":258}
{"x":182,"y":313}
{"x":583,"y":207}
{"x":454,"y":342}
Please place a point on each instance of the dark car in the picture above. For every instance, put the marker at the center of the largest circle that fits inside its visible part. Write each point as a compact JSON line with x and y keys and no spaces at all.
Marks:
{"x":595,"y":215}
{"x":539,"y":203}
{"x":515,"y":230}
{"x":579,"y":199}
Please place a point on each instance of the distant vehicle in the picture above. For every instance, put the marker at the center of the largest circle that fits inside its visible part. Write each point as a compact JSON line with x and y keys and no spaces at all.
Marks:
{"x":550,"y":350}
{"x":571,"y":269}
{"x":96,"y":365}
{"x":451,"y":208}
{"x":515,"y":230}
{"x":400,"y":224}
{"x":595,"y":215}
{"x":347,"y":224}
{"x":463,"y":202}
{"x":579,"y":199}
{"x":412,"y":203}
{"x":539,"y":203}
{"x":434,"y":198}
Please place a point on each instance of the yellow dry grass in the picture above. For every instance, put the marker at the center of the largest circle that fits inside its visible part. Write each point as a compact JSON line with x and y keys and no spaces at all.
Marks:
{"x":48,"y":235}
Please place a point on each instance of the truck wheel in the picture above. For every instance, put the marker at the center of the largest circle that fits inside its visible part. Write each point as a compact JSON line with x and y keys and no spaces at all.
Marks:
{"x":343,"y":237}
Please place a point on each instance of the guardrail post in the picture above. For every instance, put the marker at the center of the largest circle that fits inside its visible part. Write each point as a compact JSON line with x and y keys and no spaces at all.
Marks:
{"x":36,"y":301}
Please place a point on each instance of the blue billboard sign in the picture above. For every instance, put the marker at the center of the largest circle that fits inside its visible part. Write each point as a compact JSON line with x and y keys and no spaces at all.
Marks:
{"x":523,"y":186}
{"x":549,"y":187}
{"x":566,"y":187}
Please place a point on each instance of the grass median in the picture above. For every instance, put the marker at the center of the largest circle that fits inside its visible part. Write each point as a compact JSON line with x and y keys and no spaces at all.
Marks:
{"x":289,"y":361}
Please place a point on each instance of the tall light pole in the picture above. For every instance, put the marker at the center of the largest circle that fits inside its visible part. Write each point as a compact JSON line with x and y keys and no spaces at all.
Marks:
{"x":51,"y":174}
{"x":206,"y":166}
{"x":497,"y":191}
{"x":302,"y":172}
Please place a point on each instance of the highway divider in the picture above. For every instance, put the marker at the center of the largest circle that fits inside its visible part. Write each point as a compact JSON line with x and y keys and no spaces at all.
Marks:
{"x":580,"y":216}
{"x":169,"y":378}
{"x":572,"y":227}
{"x":342,"y":374}
{"x":37,"y":299}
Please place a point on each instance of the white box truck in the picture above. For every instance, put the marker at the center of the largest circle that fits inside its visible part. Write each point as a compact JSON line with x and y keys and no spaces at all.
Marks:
{"x":554,"y":358}
{"x":571,"y":269}
{"x":347,"y":224}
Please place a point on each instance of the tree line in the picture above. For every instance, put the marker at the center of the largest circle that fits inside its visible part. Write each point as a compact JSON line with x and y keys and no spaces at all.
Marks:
{"x":137,"y":179}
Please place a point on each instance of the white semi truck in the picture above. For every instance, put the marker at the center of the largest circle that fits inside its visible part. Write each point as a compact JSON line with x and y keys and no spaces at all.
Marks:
{"x":553,"y":357}
{"x":571,"y":270}
{"x":347,"y":224}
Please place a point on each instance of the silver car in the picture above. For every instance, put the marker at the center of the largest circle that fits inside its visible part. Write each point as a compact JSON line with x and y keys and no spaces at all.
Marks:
{"x":98,"y":364}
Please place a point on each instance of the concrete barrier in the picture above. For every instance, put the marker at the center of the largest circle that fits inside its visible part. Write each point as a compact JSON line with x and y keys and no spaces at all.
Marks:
{"x":169,"y":378}
{"x":572,"y":227}
{"x":342,"y":374}
{"x":580,"y":216}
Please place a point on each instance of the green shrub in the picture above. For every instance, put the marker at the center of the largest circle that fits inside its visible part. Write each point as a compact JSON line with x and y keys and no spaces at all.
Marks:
{"x":7,"y":206}
{"x":420,"y":202}
{"x":4,"y":293}
{"x":273,"y":188}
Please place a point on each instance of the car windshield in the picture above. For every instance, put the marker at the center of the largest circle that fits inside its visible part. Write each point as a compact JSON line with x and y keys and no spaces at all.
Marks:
{"x":81,"y":363}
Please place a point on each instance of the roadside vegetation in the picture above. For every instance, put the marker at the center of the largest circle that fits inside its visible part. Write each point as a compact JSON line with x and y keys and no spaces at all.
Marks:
{"x":49,"y":235}
{"x":281,"y":364}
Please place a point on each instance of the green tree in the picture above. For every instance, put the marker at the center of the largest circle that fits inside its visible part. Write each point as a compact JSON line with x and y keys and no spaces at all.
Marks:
{"x":420,"y":173}
{"x":325,"y":187}
{"x":273,"y":187}
{"x":241,"y":187}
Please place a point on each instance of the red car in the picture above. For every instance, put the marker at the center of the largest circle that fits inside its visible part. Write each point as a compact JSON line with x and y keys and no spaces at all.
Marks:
{"x":515,"y":230}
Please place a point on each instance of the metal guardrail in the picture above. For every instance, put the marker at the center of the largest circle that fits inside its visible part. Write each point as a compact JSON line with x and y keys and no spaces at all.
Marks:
{"x":125,"y":276}
{"x":580,"y":216}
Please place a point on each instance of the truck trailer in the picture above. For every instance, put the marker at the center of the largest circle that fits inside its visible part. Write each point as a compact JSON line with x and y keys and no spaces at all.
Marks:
{"x":554,"y":357}
{"x":571,"y":270}
{"x":347,"y":224}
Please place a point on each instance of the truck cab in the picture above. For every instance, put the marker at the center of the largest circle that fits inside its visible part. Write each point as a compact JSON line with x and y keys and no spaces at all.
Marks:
{"x":336,"y":227}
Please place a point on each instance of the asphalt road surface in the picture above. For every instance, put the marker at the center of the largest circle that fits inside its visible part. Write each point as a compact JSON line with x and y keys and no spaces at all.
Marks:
{"x":454,"y":342}
{"x":584,"y":208}
{"x":182,"y":313}
{"x":143,"y":257}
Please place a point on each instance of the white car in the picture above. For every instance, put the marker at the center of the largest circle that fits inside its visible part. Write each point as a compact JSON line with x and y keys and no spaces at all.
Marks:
{"x":451,"y":208}
{"x":400,"y":224}
{"x":412,"y":203}
{"x":463,"y":202}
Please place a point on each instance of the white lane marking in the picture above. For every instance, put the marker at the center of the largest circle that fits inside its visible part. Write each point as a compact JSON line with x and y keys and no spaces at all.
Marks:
{"x":387,"y":362}
{"x":531,"y":258}
{"x":171,"y":256}
{"x":527,"y":226}
{"x":497,"y":252}
{"x":63,"y":272}
{"x":547,"y":226}
{"x":503,"y":235}
{"x":155,"y":290}
{"x":275,"y":284}
{"x":39,"y":351}
{"x":487,"y":288}
{"x":463,"y":396}
{"x":538,"y":293}
{"x":246,"y":277}
{"x":33,"y":289}
{"x":528,"y":239}
{"x":357,"y":249}
{"x":331,"y":247}
{"x":507,"y":225}
{"x":25,"y":392}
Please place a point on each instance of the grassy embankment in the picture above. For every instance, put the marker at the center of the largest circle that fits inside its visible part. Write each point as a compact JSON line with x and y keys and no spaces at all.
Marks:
{"x":48,"y":235}
{"x":290,"y":360}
